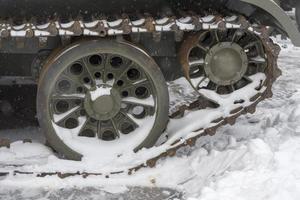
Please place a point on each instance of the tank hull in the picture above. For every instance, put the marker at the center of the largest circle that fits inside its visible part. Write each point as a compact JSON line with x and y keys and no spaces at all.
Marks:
{"x":20,"y":9}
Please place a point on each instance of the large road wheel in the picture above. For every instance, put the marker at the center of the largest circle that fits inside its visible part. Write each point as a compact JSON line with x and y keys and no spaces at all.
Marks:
{"x":102,"y":98}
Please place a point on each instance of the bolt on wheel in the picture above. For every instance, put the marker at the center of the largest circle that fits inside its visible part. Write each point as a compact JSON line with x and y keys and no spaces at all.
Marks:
{"x":102,"y":98}
{"x":222,"y":60}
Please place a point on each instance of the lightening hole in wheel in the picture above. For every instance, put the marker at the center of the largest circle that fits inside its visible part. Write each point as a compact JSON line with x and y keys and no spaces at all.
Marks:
{"x":77,"y":101}
{"x":82,"y":112}
{"x":253,"y":52}
{"x":125,"y":94}
{"x":92,"y":120}
{"x":87,"y":133}
{"x":195,"y":73}
{"x":126,"y":128}
{"x":252,"y":69}
{"x":133,"y":74}
{"x":141,"y":92}
{"x":97,"y":75}
{"x":120,"y":83}
{"x":223,"y":90}
{"x":116,"y":61}
{"x":64,"y":85}
{"x":108,"y":135}
{"x":71,"y":123}
{"x":207,"y":39}
{"x":62,"y":106}
{"x":110,"y":76}
{"x":79,"y":89}
{"x":86,"y":80}
{"x":76,"y":69}
{"x":95,"y":60}
{"x":139,"y":112}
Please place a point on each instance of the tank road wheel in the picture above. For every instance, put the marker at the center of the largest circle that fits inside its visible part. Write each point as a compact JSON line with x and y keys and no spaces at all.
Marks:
{"x":102,"y":98}
{"x":223,"y":61}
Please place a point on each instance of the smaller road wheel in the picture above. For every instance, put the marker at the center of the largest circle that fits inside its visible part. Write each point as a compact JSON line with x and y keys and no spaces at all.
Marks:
{"x":103,"y":99}
{"x":223,"y":61}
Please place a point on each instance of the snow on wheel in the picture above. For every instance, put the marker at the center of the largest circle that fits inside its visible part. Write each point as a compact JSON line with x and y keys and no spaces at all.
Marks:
{"x":102,"y":98}
{"x":223,"y":61}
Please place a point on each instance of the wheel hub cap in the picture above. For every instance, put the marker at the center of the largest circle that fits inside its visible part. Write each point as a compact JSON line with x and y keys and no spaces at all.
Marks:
{"x":102,"y":102}
{"x":226,"y":63}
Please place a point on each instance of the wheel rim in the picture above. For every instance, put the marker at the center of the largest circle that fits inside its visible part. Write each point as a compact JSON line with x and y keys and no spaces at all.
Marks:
{"x":104,"y":99}
{"x":223,"y":61}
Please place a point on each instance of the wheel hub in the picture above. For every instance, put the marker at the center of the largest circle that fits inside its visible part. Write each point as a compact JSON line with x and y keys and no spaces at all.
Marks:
{"x":102,"y":102}
{"x":226,"y":63}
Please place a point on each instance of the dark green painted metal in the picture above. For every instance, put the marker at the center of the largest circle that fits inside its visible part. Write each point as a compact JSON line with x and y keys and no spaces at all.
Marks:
{"x":104,"y":107}
{"x":106,"y":117}
{"x":57,"y":69}
{"x":298,"y":13}
{"x":226,"y":63}
{"x":279,"y":14}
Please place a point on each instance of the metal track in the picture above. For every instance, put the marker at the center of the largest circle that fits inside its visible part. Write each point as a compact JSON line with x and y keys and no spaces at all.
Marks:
{"x":148,"y":24}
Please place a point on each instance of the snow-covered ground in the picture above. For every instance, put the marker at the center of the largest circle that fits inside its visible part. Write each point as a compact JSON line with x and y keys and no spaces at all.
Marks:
{"x":256,"y":159}
{"x":260,"y":156}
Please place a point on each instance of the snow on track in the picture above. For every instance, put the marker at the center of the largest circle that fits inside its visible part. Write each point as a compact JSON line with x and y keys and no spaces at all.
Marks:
{"x":269,"y":141}
{"x":258,"y":158}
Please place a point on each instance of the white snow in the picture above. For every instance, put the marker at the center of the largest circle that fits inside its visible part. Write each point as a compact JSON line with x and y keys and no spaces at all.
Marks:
{"x":58,"y":117}
{"x":100,"y":91}
{"x":73,"y":95}
{"x":66,"y":25}
{"x":114,"y":23}
{"x":149,"y":101}
{"x":258,"y":59}
{"x":20,"y":153}
{"x":208,"y":19}
{"x":137,"y":110}
{"x":138,"y":22}
{"x":256,"y":159}
{"x":231,"y":18}
{"x":197,"y":62}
